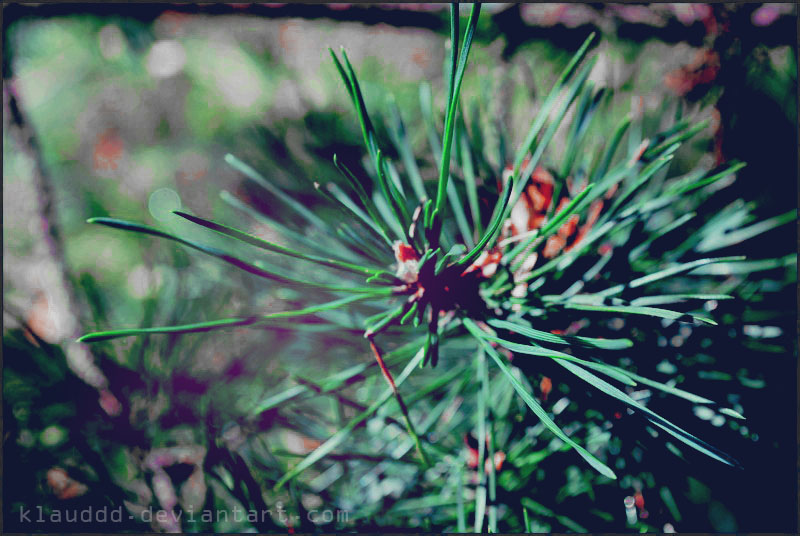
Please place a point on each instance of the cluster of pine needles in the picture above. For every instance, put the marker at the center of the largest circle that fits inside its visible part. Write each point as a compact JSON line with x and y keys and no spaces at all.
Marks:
{"x":499,"y":258}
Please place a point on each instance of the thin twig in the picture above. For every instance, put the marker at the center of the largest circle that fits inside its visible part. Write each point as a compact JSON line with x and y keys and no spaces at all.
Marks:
{"x":403,"y":408}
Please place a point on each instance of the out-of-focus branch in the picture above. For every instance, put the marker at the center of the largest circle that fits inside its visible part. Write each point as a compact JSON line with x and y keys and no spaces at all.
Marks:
{"x":80,"y":360}
{"x":29,"y":145}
